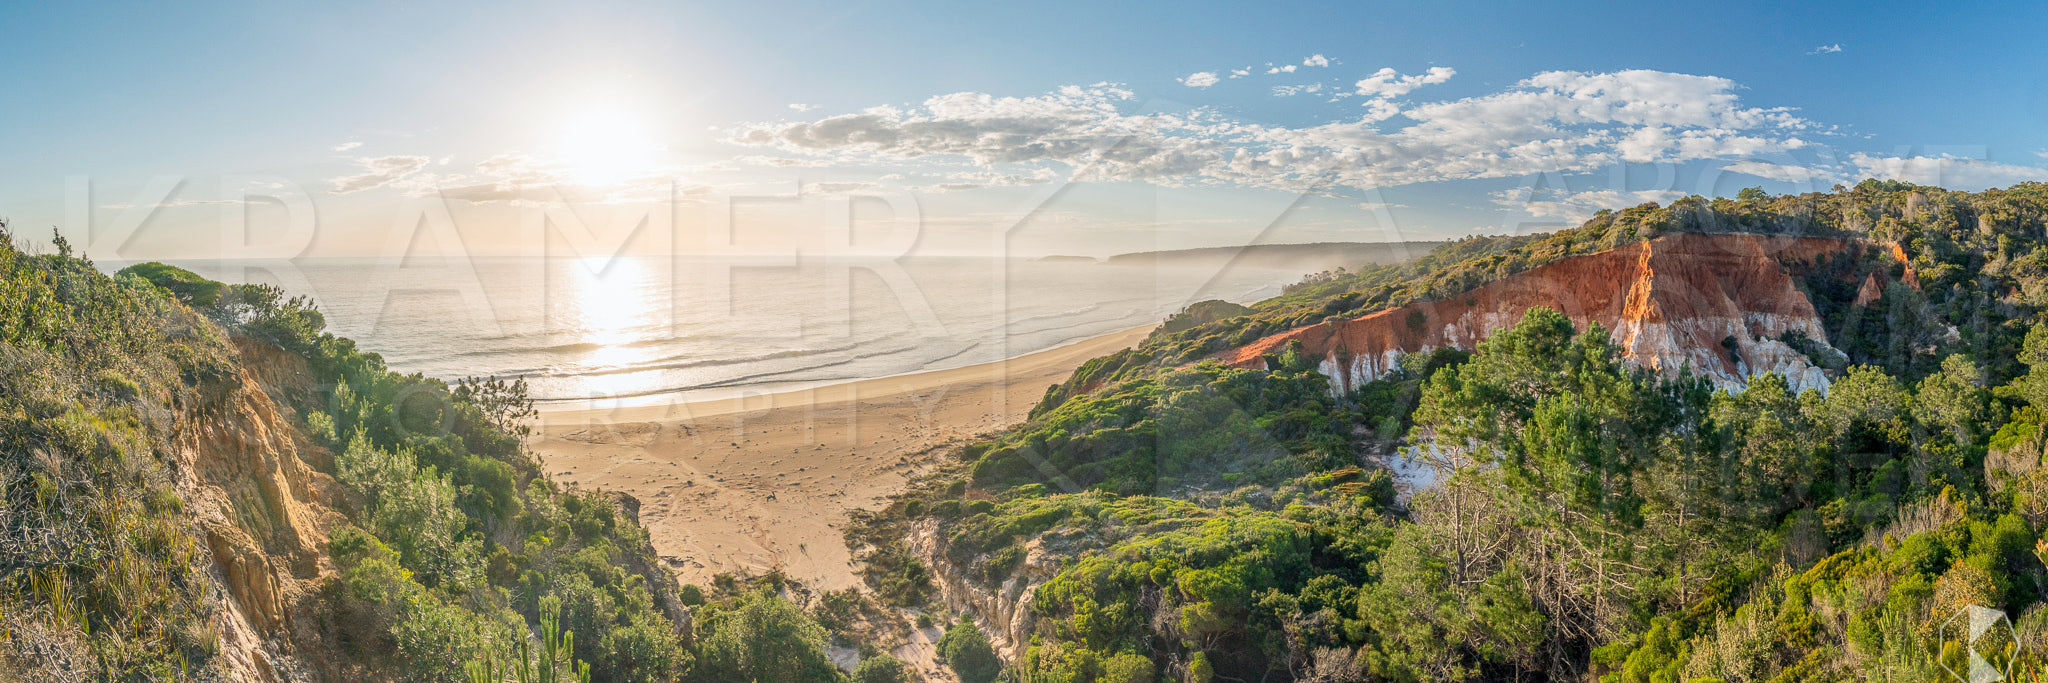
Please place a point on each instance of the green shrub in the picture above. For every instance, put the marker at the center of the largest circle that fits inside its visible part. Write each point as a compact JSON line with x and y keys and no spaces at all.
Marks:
{"x":117,"y":386}
{"x":762,"y":637}
{"x":1126,"y":668}
{"x":966,"y":651}
{"x":188,"y":287}
{"x":882,"y":668}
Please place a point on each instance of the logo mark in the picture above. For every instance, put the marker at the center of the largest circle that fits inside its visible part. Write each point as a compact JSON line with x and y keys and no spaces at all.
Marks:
{"x":1981,"y":631}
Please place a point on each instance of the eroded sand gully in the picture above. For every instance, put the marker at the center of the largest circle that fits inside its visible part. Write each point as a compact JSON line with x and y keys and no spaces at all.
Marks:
{"x":766,"y":482}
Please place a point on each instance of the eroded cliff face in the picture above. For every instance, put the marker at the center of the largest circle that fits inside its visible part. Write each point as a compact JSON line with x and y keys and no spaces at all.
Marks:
{"x":1005,"y":612}
{"x":246,"y":474}
{"x":1717,"y":303}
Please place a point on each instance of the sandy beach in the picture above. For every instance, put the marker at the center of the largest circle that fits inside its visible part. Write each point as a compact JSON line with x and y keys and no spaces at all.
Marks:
{"x":760,"y":483}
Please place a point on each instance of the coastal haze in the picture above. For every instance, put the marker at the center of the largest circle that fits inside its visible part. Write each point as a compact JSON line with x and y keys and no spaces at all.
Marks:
{"x":638,"y":330}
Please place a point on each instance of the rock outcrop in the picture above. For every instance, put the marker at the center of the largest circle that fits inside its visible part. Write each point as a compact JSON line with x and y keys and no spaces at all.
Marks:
{"x":1717,"y":303}
{"x":1005,"y":611}
{"x":264,"y":513}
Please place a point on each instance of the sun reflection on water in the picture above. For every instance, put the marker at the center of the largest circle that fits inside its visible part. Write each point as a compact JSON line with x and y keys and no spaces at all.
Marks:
{"x":613,"y":308}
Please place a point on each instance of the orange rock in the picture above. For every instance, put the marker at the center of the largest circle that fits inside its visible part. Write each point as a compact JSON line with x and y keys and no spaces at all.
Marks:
{"x":1870,"y":292}
{"x":1669,"y":302}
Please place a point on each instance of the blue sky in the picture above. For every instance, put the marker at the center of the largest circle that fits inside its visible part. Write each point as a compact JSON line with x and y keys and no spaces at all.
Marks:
{"x":1491,"y":119}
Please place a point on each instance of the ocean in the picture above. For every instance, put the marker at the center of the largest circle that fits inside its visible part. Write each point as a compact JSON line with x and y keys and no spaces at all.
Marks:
{"x":639,"y":330}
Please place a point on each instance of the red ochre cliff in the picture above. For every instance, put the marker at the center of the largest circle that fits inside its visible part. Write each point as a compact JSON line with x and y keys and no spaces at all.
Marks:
{"x":1668,"y":302}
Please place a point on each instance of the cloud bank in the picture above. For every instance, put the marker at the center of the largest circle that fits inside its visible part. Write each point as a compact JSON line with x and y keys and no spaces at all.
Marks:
{"x":1556,"y":121}
{"x":1941,"y":171}
{"x":1389,"y":83}
{"x":378,"y":172}
{"x":1576,"y":207}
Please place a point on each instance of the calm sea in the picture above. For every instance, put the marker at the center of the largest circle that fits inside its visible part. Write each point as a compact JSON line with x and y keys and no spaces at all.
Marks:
{"x":632,"y":330}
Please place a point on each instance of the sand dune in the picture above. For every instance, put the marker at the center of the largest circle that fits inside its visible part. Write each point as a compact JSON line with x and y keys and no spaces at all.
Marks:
{"x":761,"y":483}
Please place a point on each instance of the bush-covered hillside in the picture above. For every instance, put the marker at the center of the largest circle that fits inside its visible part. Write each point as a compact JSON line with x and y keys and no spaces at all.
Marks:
{"x":1570,"y":516}
{"x":449,"y":536}
{"x":158,"y":521}
{"x":1980,"y":258}
{"x":102,"y":572}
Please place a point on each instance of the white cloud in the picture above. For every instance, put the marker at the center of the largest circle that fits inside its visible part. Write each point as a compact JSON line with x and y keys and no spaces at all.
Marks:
{"x":1943,"y":171}
{"x":346,"y":146}
{"x":378,"y":172}
{"x":1389,"y":83}
{"x":1316,"y":60}
{"x":1551,"y":122}
{"x":841,"y":188}
{"x":799,"y":106}
{"x":509,"y":178}
{"x":1826,"y":49}
{"x":176,"y":203}
{"x":1380,"y":110}
{"x":975,"y":180}
{"x":1955,"y":173}
{"x":784,"y":162}
{"x":1039,"y":176}
{"x":1286,"y":69}
{"x":1292,"y":90}
{"x":1378,"y":206}
{"x":1577,"y":207}
{"x":1787,"y":173}
{"x":501,"y":178}
{"x":1241,"y":73}
{"x":1200,"y":79}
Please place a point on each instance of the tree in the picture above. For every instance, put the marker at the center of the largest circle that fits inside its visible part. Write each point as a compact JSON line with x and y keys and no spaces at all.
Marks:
{"x":550,"y":664}
{"x":2033,"y":386}
{"x":504,"y":403}
{"x":1199,"y":669}
{"x":1126,"y":668}
{"x":882,"y":668}
{"x":765,"y":638}
{"x":966,"y":650}
{"x":1765,"y":437}
{"x":1953,"y":402}
{"x":1568,"y":431}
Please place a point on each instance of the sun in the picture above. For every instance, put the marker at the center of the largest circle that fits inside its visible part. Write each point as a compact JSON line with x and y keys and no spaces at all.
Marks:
{"x":606,"y":145}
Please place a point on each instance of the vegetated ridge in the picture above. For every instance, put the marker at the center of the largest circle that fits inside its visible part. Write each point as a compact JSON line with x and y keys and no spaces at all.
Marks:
{"x":1309,"y":257}
{"x":198,"y":483}
{"x":1600,"y":453}
{"x":1724,"y":306}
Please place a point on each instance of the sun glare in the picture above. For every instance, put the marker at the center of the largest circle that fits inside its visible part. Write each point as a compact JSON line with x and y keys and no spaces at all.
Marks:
{"x":612,"y":310}
{"x":606,"y":145}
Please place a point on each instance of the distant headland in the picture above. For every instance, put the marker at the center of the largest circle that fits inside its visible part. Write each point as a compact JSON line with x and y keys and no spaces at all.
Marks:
{"x":1310,"y":257}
